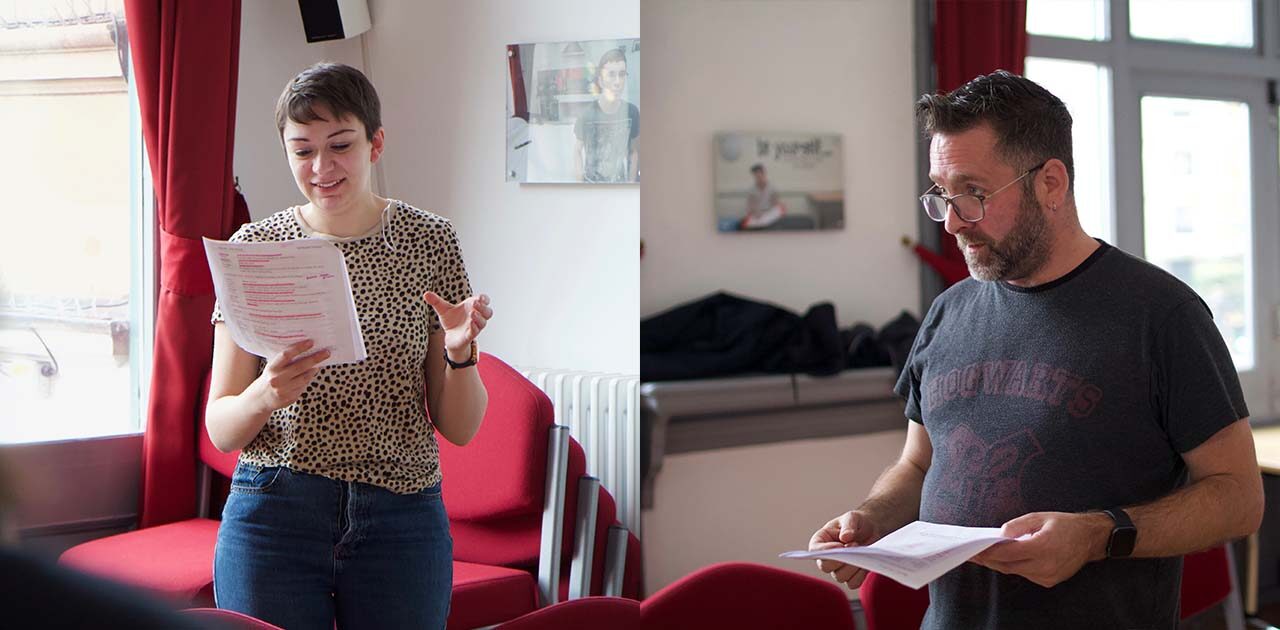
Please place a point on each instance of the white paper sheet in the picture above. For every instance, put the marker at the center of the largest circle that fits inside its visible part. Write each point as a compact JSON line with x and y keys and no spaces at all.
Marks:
{"x":273,"y":295}
{"x":916,"y":554}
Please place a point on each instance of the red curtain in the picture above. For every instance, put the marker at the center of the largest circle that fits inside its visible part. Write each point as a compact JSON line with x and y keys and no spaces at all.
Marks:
{"x":519,"y":101}
{"x":186,"y":57}
{"x":973,"y":37}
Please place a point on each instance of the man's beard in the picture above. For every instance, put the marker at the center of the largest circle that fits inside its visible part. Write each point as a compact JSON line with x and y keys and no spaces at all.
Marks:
{"x":1022,"y":252}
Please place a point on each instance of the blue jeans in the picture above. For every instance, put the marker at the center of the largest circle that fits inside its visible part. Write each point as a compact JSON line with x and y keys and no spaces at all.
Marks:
{"x":301,"y":551}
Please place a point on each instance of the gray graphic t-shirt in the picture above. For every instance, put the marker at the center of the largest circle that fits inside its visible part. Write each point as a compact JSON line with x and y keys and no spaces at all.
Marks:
{"x":606,"y":140}
{"x":1077,"y":395}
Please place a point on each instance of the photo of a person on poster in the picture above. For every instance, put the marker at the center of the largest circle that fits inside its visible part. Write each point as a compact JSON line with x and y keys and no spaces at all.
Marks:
{"x":607,"y":149}
{"x":573,"y":112}
{"x":764,"y":207}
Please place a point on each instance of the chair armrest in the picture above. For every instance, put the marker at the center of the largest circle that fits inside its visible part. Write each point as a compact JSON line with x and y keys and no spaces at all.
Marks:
{"x":584,"y":537}
{"x":615,"y":561}
{"x":553,"y":515}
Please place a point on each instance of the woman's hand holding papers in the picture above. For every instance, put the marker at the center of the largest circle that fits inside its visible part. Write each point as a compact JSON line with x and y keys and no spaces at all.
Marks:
{"x":851,"y":529}
{"x":287,"y":375}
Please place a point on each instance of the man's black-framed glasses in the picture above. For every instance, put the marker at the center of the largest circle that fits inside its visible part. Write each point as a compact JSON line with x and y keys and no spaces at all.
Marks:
{"x":971,"y":208}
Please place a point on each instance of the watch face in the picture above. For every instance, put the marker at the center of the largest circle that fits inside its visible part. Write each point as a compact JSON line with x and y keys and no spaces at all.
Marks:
{"x":1122,"y":542}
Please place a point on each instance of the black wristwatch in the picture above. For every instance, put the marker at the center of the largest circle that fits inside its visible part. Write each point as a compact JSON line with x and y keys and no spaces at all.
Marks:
{"x":1123,"y":537}
{"x":471,"y":360}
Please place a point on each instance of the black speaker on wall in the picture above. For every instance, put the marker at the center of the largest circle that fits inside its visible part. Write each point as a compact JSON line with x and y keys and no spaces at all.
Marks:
{"x":324,"y":20}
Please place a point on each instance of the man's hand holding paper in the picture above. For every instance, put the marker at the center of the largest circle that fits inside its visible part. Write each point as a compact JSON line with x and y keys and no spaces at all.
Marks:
{"x":914,"y":555}
{"x":848,"y":529}
{"x":1050,"y":547}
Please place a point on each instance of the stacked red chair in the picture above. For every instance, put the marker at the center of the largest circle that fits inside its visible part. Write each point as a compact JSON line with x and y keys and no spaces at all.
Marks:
{"x":496,"y":492}
{"x":174,"y":560}
{"x":888,"y":605}
{"x":1208,"y":580}
{"x":513,"y":496}
{"x":741,"y":595}
{"x":613,"y":613}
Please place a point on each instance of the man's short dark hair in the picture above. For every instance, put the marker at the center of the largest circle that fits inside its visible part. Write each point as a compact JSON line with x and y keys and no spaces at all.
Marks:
{"x":1031,"y":124}
{"x":757,"y":168}
{"x":336,"y":87}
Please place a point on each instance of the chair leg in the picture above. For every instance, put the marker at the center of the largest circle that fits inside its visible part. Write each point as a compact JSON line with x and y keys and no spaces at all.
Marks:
{"x":205,"y":488}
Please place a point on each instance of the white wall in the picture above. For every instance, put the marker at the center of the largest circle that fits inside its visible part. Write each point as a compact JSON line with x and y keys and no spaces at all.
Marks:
{"x":776,"y":65}
{"x":750,"y":504}
{"x":560,"y":262}
{"x":273,"y":49}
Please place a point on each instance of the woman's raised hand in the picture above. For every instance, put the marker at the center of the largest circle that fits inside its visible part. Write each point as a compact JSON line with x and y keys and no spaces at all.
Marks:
{"x":462,"y":322}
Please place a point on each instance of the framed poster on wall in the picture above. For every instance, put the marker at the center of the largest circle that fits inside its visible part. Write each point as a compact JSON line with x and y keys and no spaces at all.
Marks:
{"x":778,"y":181}
{"x":573,"y":112}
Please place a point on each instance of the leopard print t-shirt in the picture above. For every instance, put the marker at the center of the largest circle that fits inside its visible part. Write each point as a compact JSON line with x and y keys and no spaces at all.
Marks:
{"x":367,"y":421}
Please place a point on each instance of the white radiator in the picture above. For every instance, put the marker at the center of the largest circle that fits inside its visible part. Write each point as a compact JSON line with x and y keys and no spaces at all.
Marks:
{"x":602,"y":412}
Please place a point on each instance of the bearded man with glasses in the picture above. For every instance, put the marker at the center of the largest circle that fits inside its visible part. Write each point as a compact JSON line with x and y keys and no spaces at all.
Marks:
{"x":1074,"y":395}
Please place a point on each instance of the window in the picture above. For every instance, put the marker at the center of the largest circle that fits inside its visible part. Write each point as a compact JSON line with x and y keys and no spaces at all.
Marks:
{"x":1085,"y":88}
{"x":1211,"y":22}
{"x":1179,"y":101}
{"x":74,"y":300}
{"x":1197,"y":206}
{"x":1075,"y":19}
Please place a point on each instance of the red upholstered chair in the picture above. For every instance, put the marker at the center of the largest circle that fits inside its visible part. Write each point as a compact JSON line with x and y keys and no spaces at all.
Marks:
{"x":741,"y":595}
{"x":888,"y":605}
{"x":504,"y":493}
{"x":513,"y":498}
{"x":228,"y":620}
{"x":517,"y":541}
{"x":1209,"y":579}
{"x":614,"y":613}
{"x":606,"y":556}
{"x":174,"y":560}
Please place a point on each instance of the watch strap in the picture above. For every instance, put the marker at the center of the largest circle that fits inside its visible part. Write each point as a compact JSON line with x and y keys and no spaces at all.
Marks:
{"x":471,"y":360}
{"x":1123,"y":536}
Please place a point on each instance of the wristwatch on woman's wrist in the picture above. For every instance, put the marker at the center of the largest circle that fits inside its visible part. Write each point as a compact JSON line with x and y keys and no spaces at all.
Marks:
{"x":472,"y":360}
